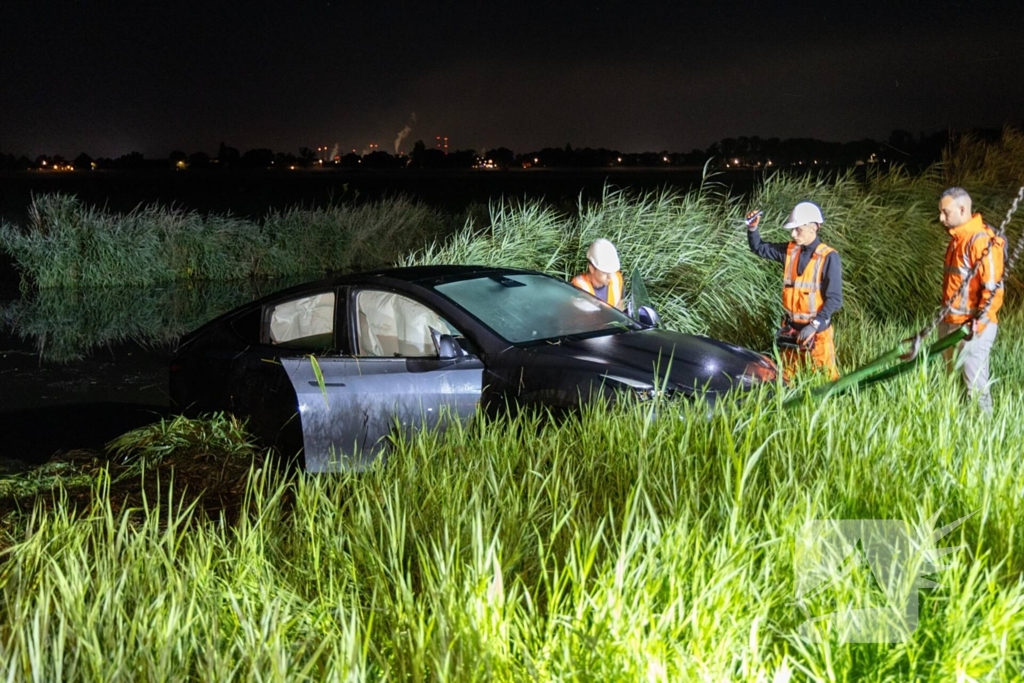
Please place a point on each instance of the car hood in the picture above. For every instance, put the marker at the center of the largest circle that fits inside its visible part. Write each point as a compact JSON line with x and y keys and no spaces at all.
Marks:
{"x":690,"y":362}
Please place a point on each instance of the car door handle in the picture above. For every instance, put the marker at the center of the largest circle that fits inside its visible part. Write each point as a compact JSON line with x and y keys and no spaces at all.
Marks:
{"x":314,"y":383}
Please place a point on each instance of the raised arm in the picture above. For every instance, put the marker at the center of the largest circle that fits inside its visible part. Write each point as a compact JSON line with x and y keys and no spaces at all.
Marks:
{"x":773,"y":251}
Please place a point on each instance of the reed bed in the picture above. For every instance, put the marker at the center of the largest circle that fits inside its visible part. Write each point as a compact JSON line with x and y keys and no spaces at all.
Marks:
{"x":691,"y":247}
{"x":68,"y":244}
{"x":643,"y":542}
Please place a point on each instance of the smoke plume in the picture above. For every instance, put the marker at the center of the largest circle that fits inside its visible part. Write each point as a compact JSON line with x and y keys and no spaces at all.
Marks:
{"x":404,"y":133}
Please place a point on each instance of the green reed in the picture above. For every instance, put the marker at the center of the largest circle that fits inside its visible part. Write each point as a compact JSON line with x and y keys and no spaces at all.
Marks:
{"x":69,"y":244}
{"x":643,"y":541}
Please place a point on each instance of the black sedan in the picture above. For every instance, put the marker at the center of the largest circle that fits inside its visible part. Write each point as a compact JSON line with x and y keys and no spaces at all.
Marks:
{"x":333,"y":366}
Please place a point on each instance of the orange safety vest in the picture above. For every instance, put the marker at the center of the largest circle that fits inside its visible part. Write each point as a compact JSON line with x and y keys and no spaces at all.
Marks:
{"x":615,"y":284}
{"x":967,"y":245}
{"x":801,"y":293}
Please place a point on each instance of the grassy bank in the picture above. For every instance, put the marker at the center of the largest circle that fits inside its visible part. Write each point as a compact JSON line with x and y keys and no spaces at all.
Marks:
{"x":644,"y":542}
{"x":612,"y":547}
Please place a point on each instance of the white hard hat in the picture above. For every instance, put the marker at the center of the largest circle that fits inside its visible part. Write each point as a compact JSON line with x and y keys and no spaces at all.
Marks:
{"x":804,"y":213}
{"x":602,"y":255}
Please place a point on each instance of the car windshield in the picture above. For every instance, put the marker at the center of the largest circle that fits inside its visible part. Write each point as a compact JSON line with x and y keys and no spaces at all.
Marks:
{"x":524,"y":308}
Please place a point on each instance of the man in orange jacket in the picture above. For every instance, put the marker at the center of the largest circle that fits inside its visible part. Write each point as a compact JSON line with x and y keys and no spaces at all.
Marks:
{"x":812,"y":286}
{"x":973,"y":245}
{"x":603,"y":278}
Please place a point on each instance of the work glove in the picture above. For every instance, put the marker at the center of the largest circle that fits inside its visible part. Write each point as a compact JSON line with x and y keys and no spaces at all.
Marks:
{"x":806,"y":335}
{"x":753,"y":219}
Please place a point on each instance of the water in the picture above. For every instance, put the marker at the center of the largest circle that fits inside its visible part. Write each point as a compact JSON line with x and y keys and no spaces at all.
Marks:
{"x":78,"y":369}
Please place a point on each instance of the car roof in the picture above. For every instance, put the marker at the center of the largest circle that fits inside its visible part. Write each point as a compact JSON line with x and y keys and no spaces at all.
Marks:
{"x":425,"y":276}
{"x":428,"y":275}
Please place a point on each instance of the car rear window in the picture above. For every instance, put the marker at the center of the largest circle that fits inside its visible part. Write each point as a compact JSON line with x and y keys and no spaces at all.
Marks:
{"x":524,"y":308}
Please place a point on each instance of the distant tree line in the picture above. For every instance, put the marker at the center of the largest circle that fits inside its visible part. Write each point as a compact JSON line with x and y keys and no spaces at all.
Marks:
{"x":744,"y":152}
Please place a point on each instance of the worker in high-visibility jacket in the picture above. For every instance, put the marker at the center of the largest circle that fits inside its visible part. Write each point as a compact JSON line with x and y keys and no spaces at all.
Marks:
{"x":603,"y":278}
{"x":971,"y":242}
{"x":812,"y":288}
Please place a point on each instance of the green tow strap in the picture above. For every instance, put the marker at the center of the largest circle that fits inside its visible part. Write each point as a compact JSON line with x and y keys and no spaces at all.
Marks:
{"x":877,"y":370}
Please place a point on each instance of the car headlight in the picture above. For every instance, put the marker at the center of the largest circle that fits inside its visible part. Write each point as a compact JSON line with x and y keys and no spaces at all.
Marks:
{"x":759,"y":371}
{"x":645,"y":391}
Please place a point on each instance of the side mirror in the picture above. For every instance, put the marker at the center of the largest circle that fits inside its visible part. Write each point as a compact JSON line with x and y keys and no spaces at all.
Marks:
{"x":447,"y":347}
{"x":648,"y":317}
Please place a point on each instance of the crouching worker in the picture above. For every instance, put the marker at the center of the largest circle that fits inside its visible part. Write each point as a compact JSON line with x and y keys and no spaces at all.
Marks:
{"x":603,"y":278}
{"x":812,"y":289}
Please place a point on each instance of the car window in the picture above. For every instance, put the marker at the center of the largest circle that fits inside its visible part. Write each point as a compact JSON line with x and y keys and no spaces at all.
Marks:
{"x":391,"y":325}
{"x":248,"y":325}
{"x":526,"y":308}
{"x":304,"y":323}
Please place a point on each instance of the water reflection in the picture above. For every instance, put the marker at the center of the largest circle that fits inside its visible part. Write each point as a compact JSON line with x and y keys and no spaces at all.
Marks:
{"x":68,"y":325}
{"x":81,"y":367}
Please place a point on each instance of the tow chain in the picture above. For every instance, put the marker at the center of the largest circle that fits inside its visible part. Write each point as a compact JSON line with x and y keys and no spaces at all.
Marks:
{"x":881,"y":368}
{"x":1002,"y":230}
{"x":961,"y":294}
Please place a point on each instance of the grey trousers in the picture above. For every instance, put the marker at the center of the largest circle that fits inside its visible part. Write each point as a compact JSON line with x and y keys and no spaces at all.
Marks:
{"x":971,"y":357}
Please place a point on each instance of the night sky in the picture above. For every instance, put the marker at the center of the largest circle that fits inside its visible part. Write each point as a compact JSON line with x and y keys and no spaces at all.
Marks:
{"x":112,"y":77}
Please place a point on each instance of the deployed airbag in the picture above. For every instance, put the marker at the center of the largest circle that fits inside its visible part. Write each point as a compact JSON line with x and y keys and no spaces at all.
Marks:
{"x":306,"y":317}
{"x":395,"y":325}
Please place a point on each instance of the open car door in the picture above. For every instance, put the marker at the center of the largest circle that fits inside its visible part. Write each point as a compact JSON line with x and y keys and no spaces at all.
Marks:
{"x":396,"y":378}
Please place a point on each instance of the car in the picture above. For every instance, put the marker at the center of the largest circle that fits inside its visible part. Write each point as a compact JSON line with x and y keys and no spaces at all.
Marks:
{"x":332,"y":367}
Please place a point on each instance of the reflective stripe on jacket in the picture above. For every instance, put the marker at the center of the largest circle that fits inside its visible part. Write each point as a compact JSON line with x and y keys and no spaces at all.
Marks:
{"x":967,"y":246}
{"x":615,"y":284}
{"x":801,"y":293}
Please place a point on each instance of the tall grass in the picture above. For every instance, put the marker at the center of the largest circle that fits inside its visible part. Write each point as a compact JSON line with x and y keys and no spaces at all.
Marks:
{"x":691,"y":247}
{"x":986,"y":168}
{"x":69,"y":244}
{"x":640,"y":542}
{"x":624,"y":544}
